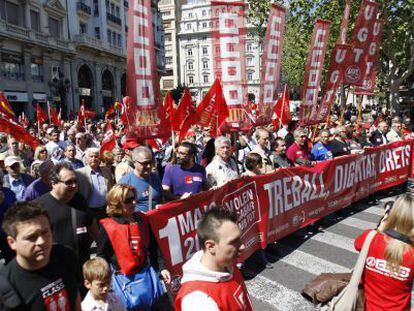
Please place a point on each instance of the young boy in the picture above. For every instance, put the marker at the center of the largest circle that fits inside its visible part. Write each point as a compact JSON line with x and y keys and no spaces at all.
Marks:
{"x":97,"y":277}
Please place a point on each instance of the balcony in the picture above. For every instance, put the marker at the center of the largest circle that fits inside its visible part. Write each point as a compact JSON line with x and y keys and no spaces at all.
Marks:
{"x":90,"y":42}
{"x":113,"y":19}
{"x":83,"y":8}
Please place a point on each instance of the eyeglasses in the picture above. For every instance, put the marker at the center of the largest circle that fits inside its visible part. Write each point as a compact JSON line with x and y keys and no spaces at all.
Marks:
{"x":144,"y":163}
{"x":70,"y":182}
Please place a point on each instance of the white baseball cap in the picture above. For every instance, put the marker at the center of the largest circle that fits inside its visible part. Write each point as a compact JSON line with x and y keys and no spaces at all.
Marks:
{"x":10,"y":160}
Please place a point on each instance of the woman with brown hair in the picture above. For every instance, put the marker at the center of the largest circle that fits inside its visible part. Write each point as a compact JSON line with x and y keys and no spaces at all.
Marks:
{"x":389,"y":267}
{"x":124,"y":241}
{"x":253,"y":164}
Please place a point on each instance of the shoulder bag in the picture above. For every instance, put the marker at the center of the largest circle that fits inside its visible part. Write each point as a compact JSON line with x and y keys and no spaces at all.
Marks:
{"x":347,"y":298}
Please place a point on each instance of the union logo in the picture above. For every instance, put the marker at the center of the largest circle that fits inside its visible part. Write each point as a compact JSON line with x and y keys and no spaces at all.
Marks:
{"x":353,"y":74}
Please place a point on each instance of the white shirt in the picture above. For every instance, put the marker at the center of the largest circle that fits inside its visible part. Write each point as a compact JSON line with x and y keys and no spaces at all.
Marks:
{"x":220,"y":172}
{"x":112,"y":303}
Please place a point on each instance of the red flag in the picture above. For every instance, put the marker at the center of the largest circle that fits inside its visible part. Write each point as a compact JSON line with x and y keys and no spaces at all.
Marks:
{"x":109,"y":141}
{"x":313,"y":72}
{"x":54,"y":116}
{"x":169,"y":112}
{"x":127,"y":111}
{"x":5,"y":107}
{"x":212,"y":110}
{"x":84,"y":114}
{"x":18,"y":132}
{"x":110,"y":112}
{"x":186,"y":113}
{"x":282,"y":108}
{"x":41,"y":115}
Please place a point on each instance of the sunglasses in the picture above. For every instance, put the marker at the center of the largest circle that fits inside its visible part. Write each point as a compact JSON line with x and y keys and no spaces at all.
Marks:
{"x":70,"y":182}
{"x":144,"y":163}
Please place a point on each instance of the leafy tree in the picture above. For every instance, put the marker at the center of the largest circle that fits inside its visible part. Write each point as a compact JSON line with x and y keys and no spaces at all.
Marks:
{"x":397,"y":49}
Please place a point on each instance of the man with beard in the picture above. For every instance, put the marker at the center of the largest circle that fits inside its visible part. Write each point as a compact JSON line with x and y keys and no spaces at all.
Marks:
{"x":186,"y":177}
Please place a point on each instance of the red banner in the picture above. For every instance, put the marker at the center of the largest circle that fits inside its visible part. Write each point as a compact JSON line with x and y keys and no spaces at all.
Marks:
{"x":271,"y":63}
{"x":313,"y":73}
{"x":272,"y":206}
{"x":334,"y":78}
{"x":362,"y":38}
{"x":371,"y":61}
{"x":229,"y":57}
{"x":142,"y":78}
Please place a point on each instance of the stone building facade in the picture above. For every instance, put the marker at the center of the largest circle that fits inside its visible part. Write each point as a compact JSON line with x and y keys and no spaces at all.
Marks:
{"x":66,"y":51}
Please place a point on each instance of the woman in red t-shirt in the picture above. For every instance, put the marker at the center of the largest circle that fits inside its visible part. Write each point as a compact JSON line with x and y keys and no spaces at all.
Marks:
{"x":389,"y":267}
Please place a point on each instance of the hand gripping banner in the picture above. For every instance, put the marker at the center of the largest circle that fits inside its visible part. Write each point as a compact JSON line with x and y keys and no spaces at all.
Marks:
{"x":272,"y":206}
{"x":271,"y":64}
{"x":313,"y":73}
{"x":229,"y":57}
{"x":362,"y":38}
{"x":142,"y":81}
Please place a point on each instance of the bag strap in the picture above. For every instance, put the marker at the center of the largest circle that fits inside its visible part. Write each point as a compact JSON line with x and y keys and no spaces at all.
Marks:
{"x":399,"y":236}
{"x":360,"y":264}
{"x":74,"y":227}
{"x":150,"y":194}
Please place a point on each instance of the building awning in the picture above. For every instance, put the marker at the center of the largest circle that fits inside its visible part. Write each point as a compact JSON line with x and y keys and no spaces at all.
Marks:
{"x":17,"y":96}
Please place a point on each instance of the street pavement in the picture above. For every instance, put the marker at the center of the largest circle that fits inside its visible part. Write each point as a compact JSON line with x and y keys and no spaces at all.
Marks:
{"x":300,"y":257}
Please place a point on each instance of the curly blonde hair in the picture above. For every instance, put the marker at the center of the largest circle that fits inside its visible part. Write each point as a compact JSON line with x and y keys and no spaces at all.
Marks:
{"x":116,"y":197}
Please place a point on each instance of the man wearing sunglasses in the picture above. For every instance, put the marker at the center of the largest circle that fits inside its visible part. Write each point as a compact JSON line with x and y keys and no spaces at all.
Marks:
{"x":72,"y":224}
{"x":146,"y":183}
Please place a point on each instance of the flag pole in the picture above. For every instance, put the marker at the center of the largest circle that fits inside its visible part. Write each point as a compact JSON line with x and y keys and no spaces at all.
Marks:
{"x":283,"y":105}
{"x":360,"y":110}
{"x":48,"y":111}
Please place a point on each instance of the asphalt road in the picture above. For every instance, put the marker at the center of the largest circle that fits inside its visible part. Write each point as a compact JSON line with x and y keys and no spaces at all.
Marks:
{"x":300,"y":257}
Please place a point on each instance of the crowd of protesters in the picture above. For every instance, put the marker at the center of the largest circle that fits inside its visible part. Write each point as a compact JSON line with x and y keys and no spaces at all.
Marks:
{"x":68,"y":192}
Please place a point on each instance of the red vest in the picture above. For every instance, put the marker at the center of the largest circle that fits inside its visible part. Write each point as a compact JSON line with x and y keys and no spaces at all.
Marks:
{"x":129,"y":242}
{"x":231,"y":295}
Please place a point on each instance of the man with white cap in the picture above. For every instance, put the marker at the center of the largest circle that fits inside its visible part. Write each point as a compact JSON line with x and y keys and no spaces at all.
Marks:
{"x":14,"y":179}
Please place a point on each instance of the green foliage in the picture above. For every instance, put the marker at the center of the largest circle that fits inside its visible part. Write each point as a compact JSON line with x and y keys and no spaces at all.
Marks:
{"x":397,"y":49}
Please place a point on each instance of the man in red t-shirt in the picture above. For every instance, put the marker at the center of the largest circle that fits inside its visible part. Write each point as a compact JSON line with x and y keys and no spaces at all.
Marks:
{"x":298,"y":153}
{"x":211,"y":280}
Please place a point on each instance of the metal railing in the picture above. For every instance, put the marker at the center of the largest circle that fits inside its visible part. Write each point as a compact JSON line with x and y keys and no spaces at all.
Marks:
{"x":84,"y":8}
{"x":113,"y":18}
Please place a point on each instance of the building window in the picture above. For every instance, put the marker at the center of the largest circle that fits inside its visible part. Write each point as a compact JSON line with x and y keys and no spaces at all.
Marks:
{"x":190,"y":15}
{"x":168,"y":61}
{"x":10,"y":12}
{"x":34,"y":20}
{"x":119,"y":40}
{"x":82,"y":28}
{"x":249,"y":61}
{"x":97,"y":33}
{"x":95,"y":8}
{"x":36,"y":71}
{"x":203,"y":12}
{"x":190,"y":79}
{"x":168,"y":37}
{"x":190,"y":52}
{"x":109,"y":34}
{"x":114,"y":38}
{"x":112,"y":8}
{"x":117,"y":11}
{"x":205,"y":78}
{"x":249,"y":47}
{"x":205,"y":50}
{"x":12,"y":67}
{"x":54,"y":27}
{"x":205,"y":25}
{"x":190,"y":66}
{"x":250,"y":76}
{"x":205,"y":64}
{"x":188,"y":26}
